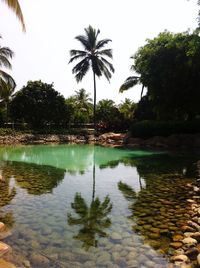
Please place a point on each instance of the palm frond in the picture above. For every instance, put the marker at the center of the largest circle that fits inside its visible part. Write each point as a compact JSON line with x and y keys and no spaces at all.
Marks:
{"x":130,"y":82}
{"x":5,"y":62}
{"x":106,"y":52}
{"x":75,"y":52}
{"x":84,"y":41}
{"x":104,"y":70}
{"x":7,"y":52}
{"x":102,"y":43}
{"x":81,"y":69}
{"x":79,"y":56}
{"x":15,"y":6}
{"x":7,"y":78}
{"x":108,"y":63}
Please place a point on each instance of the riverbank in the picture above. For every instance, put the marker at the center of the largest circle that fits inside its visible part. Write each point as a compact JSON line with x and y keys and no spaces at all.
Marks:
{"x":181,"y":141}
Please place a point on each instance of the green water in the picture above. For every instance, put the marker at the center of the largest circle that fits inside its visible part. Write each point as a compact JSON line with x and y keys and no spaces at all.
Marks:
{"x":89,"y":206}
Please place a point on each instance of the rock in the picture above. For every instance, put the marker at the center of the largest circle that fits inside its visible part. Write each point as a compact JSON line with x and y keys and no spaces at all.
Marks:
{"x":5,"y":264}
{"x":176,"y":245}
{"x":196,"y":236}
{"x":190,"y":241}
{"x":182,"y":258}
{"x":2,"y":226}
{"x":39,"y":260}
{"x":4,"y":249}
{"x":198,"y":259}
{"x":177,"y":237}
{"x":116,"y":236}
{"x":5,"y":234}
{"x":27,"y":264}
{"x":103,"y":258}
{"x":194,"y":225}
{"x":192,"y":253}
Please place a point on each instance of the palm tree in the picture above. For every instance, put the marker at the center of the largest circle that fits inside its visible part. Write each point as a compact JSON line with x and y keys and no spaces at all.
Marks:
{"x":6,"y":92}
{"x":127,"y":108}
{"x":15,"y":6}
{"x":92,"y":56}
{"x":6,"y":54}
{"x":131,"y":82}
{"x":82,"y":99}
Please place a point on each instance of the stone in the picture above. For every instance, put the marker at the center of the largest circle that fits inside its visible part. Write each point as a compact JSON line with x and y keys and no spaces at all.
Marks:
{"x":39,"y":260}
{"x":198,"y":259}
{"x":2,"y":226}
{"x":116,"y":236}
{"x":177,"y":237}
{"x":192,"y":253}
{"x":6,"y":264}
{"x":196,"y":236}
{"x":189,"y":240}
{"x":182,"y":258}
{"x":4,"y":249}
{"x":176,"y":245}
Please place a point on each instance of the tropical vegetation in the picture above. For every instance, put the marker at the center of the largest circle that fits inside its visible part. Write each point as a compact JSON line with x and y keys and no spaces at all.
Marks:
{"x":93,"y":56}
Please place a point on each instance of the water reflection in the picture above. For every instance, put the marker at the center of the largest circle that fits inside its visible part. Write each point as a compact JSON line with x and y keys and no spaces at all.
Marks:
{"x":35,"y":179}
{"x":93,"y":219}
{"x":161,"y":208}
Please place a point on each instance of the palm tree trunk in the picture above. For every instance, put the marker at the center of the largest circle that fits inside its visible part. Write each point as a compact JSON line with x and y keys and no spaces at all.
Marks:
{"x":94,"y":111}
{"x":142,"y":91}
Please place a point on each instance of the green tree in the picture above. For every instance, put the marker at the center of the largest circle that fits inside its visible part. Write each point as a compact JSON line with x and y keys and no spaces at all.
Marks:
{"x":15,"y":7}
{"x":94,"y":55}
{"x":130,"y":82}
{"x":39,"y":104}
{"x":168,"y":66}
{"x":108,"y":114}
{"x":127,"y":109}
{"x":80,"y":107}
{"x":6,"y":92}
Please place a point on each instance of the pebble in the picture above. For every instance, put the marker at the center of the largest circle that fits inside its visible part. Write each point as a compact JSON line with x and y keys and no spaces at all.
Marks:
{"x":189,"y":240}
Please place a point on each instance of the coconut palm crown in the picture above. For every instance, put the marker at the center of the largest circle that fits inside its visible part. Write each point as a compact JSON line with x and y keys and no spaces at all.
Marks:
{"x":15,"y":7}
{"x":93,"y":56}
{"x":5,"y":55}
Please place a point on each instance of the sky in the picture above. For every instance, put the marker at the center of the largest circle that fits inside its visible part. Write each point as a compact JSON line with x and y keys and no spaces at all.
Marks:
{"x":42,"y":53}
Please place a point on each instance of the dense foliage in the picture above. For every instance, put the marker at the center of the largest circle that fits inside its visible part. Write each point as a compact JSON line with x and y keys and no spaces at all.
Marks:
{"x":39,"y":104}
{"x":94,"y":56}
{"x":169,"y":68}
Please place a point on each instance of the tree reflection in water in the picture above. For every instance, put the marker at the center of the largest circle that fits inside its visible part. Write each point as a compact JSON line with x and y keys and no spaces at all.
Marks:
{"x":7,"y":193}
{"x":93,"y":219}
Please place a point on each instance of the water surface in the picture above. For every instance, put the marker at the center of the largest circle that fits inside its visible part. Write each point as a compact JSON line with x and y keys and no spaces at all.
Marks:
{"x":89,"y":206}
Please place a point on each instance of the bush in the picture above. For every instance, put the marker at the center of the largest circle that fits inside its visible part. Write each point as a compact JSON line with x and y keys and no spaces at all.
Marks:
{"x":146,"y":129}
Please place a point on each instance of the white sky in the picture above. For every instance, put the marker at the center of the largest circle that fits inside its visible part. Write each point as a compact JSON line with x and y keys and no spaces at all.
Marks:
{"x":43,"y":51}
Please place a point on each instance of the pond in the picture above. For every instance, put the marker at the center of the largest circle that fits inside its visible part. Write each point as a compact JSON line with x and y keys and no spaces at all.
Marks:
{"x":90,"y":206}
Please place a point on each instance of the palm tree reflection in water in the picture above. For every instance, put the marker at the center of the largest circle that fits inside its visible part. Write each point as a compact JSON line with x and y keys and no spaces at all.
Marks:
{"x":92,"y":219}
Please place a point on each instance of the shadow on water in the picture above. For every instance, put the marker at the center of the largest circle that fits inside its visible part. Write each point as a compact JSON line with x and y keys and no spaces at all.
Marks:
{"x":36,"y":179}
{"x":161,"y":208}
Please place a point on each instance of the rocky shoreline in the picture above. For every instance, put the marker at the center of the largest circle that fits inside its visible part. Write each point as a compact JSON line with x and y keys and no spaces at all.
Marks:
{"x":108,"y":139}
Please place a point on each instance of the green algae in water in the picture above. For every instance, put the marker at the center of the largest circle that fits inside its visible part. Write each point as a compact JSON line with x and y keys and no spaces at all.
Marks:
{"x":86,"y":206}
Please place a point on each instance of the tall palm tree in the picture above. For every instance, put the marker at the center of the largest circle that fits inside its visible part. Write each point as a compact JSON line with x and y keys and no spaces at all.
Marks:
{"x":15,"y":7}
{"x":131,"y":82}
{"x":93,"y":56}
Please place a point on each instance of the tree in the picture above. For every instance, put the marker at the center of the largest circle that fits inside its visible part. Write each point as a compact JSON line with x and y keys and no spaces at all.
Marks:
{"x":6,"y":92}
{"x":168,"y":66}
{"x":39,"y":104}
{"x":93,"y":56}
{"x":130,"y":82}
{"x":80,"y":107}
{"x":5,"y":55}
{"x":127,"y":108}
{"x":108,"y":115}
{"x":15,"y":7}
